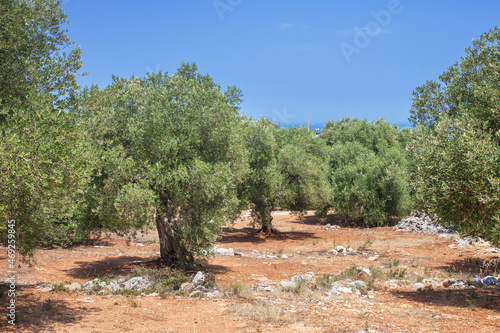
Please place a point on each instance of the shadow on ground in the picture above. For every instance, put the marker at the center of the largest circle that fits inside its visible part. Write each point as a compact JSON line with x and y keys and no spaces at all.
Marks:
{"x":113,"y":266}
{"x":474,"y":266}
{"x":474,"y":299}
{"x":35,"y":313}
{"x":249,"y":235}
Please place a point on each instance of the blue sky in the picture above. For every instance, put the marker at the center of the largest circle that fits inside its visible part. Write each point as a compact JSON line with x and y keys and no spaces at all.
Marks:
{"x":294,"y":60}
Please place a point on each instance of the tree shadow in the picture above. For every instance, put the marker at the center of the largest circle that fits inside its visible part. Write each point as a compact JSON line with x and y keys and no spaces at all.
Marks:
{"x":113,"y":266}
{"x":484,"y":298}
{"x":474,"y":266}
{"x":250,"y":235}
{"x":217,"y":269}
{"x":35,"y":313}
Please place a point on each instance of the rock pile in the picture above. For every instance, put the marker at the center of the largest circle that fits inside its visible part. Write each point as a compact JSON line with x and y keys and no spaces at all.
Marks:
{"x":421,"y":222}
{"x":197,"y":287}
{"x":489,"y":281}
{"x":340,"y":250}
{"x":308,"y":280}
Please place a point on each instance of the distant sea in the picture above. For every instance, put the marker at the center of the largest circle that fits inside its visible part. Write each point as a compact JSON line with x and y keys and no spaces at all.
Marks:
{"x":320,"y":126}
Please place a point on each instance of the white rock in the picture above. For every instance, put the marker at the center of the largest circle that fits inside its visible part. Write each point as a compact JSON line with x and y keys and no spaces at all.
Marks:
{"x":309,"y":278}
{"x":187,"y":287}
{"x":418,"y":286}
{"x":364,"y":271}
{"x":74,"y":286}
{"x":263,"y":287}
{"x":230,"y":252}
{"x":288,"y":285}
{"x":113,"y":286}
{"x":137,"y":283}
{"x":340,"y":248}
{"x":338,"y":290}
{"x":199,"y":278}
{"x":221,"y":251}
{"x":358,"y":284}
{"x":284,"y":256}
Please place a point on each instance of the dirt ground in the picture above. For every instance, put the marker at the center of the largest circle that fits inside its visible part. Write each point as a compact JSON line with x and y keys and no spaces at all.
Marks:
{"x":308,"y":245}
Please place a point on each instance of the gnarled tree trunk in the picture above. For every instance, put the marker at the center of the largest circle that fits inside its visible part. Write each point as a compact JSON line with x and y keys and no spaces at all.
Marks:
{"x":267,"y":222}
{"x":169,"y":252}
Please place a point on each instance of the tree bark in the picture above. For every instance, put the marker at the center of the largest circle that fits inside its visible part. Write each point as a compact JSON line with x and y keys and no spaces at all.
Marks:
{"x":267,"y":223}
{"x":169,"y":252}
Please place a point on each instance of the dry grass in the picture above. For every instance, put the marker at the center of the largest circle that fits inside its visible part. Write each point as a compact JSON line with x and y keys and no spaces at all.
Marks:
{"x":238,"y":289}
{"x":262,"y":312}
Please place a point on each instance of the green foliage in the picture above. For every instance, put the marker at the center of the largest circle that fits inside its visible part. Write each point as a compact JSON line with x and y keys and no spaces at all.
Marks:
{"x":43,"y":155}
{"x":457,"y":176}
{"x":31,"y":61}
{"x":42,"y":171}
{"x":261,"y":184}
{"x":470,"y":87}
{"x":456,"y":144}
{"x":169,"y":151}
{"x":368,"y":167}
{"x":303,"y":165}
{"x":287,"y":170}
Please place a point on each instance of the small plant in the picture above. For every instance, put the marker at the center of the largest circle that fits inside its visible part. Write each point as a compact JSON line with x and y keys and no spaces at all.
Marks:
{"x":325,"y":281}
{"x":397,"y":273}
{"x":60,"y":287}
{"x":48,"y":305}
{"x":392,"y":263}
{"x":471,"y":305}
{"x":365,"y":245}
{"x":238,"y":289}
{"x":135,"y":304}
{"x":300,"y":287}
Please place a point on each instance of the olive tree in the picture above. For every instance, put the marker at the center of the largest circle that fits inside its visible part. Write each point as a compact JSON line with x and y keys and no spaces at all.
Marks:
{"x":368,"y":169}
{"x":456,"y":142}
{"x":287,"y":170}
{"x":43,"y":156}
{"x":32,"y":60}
{"x":170,"y":155}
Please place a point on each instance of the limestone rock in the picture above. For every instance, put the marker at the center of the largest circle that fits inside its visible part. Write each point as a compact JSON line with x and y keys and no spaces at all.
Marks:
{"x":263,"y":287}
{"x":308,"y":278}
{"x":137,"y":283}
{"x":418,"y":286}
{"x":187,"y":287}
{"x":199,"y":278}
{"x":288,"y":285}
{"x":74,"y":286}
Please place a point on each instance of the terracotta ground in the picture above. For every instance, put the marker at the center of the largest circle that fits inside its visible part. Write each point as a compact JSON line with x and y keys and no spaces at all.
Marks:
{"x":306,"y":243}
